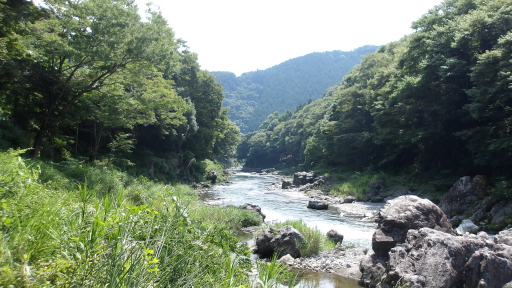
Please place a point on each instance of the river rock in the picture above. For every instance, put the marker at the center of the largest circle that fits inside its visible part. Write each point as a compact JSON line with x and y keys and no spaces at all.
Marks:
{"x":255,"y":208}
{"x":335,"y":236}
{"x":303,"y":178}
{"x":212,"y":176}
{"x":481,"y":211}
{"x":464,"y":194}
{"x":402,"y":214}
{"x":349,"y":199}
{"x":286,"y":260}
{"x":432,"y":258}
{"x":501,"y":213}
{"x":283,"y":241}
{"x":377,"y":199}
{"x":395,"y":219}
{"x":318,"y":205}
{"x":504,"y":237}
{"x":286,"y":184}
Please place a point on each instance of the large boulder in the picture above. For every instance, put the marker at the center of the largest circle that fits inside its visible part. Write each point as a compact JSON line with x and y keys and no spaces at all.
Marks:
{"x":303,"y":178}
{"x":464,"y":194}
{"x":431,"y":258}
{"x":283,"y":241}
{"x":402,"y":214}
{"x":395,"y":219}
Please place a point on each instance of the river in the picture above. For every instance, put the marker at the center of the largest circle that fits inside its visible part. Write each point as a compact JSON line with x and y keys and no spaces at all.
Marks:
{"x":353,"y":220}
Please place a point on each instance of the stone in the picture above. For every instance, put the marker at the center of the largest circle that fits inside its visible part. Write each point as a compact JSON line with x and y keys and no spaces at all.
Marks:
{"x":395,"y":219}
{"x":286,"y":260}
{"x":349,"y":199}
{"x":318,"y":205}
{"x":464,"y":194}
{"x":487,"y":269}
{"x":212,"y":176}
{"x":286,"y":184}
{"x":402,"y":214}
{"x":504,"y":237}
{"x":432,"y":258}
{"x":335,"y":236}
{"x":377,"y":199}
{"x":501,"y":214}
{"x":481,"y":211}
{"x":303,"y":178}
{"x":255,"y":208}
{"x":378,"y":184}
{"x":283,"y":241}
{"x":480,"y":185}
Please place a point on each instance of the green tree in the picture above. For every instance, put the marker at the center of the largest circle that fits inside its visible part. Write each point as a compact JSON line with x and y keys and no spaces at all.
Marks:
{"x":77,"y":49}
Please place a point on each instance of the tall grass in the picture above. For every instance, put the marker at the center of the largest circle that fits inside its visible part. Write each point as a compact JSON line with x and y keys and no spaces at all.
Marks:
{"x":315,"y":240}
{"x":356,"y":184}
{"x":79,"y":225}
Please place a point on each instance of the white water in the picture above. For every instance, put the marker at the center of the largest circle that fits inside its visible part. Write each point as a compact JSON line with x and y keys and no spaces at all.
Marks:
{"x":277,"y":204}
{"x":353,"y":220}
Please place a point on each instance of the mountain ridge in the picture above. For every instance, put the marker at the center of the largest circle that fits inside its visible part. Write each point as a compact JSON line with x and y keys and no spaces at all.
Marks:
{"x":254,"y":95}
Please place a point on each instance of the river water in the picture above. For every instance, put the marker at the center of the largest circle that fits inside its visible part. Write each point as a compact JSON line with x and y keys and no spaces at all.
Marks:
{"x":353,"y":220}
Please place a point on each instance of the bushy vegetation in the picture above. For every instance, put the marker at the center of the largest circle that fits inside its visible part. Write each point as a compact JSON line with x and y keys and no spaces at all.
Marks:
{"x":435,"y":102}
{"x":83,"y":225}
{"x":356,"y":184}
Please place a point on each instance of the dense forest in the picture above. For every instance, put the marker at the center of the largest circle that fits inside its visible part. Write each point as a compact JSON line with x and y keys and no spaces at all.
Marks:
{"x":92,"y":79}
{"x":437,"y":101}
{"x":253,"y":95}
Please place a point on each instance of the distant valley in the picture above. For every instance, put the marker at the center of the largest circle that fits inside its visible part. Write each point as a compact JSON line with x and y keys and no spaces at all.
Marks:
{"x":252,"y":96}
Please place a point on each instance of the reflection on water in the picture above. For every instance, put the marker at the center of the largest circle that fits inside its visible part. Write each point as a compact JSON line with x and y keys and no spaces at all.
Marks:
{"x":280,"y":205}
{"x":310,"y":279}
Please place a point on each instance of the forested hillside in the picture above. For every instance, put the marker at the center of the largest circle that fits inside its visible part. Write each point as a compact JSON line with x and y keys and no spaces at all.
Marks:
{"x":91,"y":79}
{"x":438,"y":100}
{"x":253,"y":95}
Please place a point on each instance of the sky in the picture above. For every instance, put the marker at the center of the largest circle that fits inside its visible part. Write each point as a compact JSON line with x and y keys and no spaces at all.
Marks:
{"x":246,"y":35}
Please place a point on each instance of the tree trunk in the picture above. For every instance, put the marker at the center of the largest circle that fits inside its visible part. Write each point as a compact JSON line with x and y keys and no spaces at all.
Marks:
{"x":96,"y":143}
{"x":38,"y":143}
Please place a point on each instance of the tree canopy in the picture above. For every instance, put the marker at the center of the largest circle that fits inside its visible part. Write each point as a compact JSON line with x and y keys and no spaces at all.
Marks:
{"x":91,"y":78}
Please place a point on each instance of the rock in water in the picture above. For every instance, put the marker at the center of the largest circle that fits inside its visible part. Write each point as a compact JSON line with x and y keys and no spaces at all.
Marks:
{"x":335,"y":236}
{"x":318,"y":205}
{"x":283,"y":241}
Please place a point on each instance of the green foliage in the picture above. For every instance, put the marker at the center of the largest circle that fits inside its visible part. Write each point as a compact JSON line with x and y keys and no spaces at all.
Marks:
{"x":92,"y":79}
{"x":356,"y":184}
{"x":272,"y":274}
{"x":56,"y":233}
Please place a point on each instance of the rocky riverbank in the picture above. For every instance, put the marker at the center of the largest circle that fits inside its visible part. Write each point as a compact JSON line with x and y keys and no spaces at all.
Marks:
{"x":413,"y":230}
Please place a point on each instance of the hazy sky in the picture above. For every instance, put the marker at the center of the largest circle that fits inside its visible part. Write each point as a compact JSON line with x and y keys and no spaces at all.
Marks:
{"x":246,"y":35}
